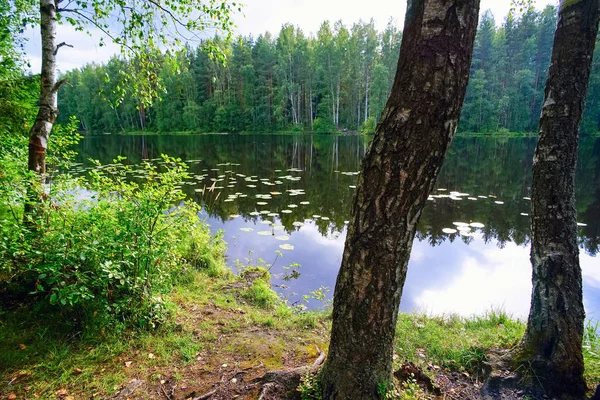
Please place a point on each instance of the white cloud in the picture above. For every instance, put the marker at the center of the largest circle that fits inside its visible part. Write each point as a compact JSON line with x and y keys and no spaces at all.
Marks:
{"x":260,"y":16}
{"x":85,"y":50}
{"x":500,"y":278}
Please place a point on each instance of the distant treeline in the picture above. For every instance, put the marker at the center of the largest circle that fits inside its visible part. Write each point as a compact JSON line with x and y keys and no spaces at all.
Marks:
{"x":335,"y":81}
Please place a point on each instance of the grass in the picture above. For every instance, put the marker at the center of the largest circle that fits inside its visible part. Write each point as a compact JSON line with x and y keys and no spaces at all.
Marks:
{"x":453,"y":342}
{"x":212,"y":325}
{"x":591,"y":353}
{"x":223,"y":324}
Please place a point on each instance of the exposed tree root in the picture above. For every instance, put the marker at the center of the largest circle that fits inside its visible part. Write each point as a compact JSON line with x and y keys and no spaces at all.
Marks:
{"x":273,"y":385}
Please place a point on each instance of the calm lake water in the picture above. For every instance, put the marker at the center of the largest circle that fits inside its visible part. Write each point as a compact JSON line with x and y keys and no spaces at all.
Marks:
{"x":274,"y":193}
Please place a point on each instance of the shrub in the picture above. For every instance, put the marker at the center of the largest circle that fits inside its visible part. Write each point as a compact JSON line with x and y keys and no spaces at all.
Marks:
{"x":324,"y":125}
{"x":368,"y":127}
{"x":108,"y":249}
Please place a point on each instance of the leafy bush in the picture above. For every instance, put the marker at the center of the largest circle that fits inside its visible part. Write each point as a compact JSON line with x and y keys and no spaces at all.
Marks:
{"x":108,"y":249}
{"x":324,"y":125}
{"x":368,"y":127}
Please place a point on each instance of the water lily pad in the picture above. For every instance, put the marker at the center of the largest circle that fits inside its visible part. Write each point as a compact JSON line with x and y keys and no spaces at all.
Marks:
{"x":476,"y":224}
{"x":304,"y":203}
{"x":273,"y":214}
{"x":352,"y":186}
{"x":325,"y":218}
{"x":228,"y":200}
{"x":298,"y":223}
{"x":234,"y":216}
{"x":449,"y":230}
{"x":346,"y":222}
{"x":499,"y":202}
{"x":292,"y":206}
{"x":261,"y":203}
{"x":246,"y":229}
{"x":286,"y":211}
{"x":282,"y":237}
{"x":275,"y":193}
{"x":279,"y":227}
{"x":254,"y":213}
{"x":265,"y":233}
{"x":581,"y":224}
{"x":460,"y":224}
{"x":286,"y":246}
{"x":525,"y":214}
{"x":251,"y":186}
{"x":266,"y":222}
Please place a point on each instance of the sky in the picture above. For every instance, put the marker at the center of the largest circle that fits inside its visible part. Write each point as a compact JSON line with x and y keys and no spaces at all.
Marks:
{"x":258,"y":16}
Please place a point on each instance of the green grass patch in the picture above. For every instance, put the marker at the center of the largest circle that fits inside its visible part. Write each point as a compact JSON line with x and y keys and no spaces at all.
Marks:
{"x":454,"y":342}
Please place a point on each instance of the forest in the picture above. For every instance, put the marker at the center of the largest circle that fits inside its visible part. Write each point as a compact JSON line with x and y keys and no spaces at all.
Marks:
{"x":336,"y":81}
{"x":117,"y":281}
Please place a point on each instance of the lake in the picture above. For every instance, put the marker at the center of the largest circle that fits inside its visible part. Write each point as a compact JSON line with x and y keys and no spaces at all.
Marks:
{"x":293,"y":195}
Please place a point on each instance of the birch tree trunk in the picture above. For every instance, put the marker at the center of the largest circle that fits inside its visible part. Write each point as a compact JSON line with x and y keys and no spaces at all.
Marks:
{"x":397,"y":175}
{"x":48,"y":110}
{"x":553,"y":339}
{"x":367,"y":95}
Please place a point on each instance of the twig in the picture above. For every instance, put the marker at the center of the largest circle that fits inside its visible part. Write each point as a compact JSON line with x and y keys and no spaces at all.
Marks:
{"x":320,"y":359}
{"x":206,"y":396}
{"x":165,"y":392}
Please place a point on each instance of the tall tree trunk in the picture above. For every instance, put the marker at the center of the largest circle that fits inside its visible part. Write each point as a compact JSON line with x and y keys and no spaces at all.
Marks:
{"x":337,"y":100}
{"x":48,"y":110}
{"x":552,"y":342}
{"x":367,"y":96}
{"x":397,"y":175}
{"x":310,"y":102}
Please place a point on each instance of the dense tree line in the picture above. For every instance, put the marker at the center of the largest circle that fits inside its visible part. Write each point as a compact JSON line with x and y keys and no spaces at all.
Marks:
{"x":338,"y":79}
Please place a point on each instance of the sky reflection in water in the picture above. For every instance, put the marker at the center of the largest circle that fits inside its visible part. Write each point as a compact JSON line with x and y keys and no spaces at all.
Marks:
{"x":447,"y":273}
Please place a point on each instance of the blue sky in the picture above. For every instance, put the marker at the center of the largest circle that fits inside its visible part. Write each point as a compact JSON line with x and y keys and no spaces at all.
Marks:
{"x":258,"y":16}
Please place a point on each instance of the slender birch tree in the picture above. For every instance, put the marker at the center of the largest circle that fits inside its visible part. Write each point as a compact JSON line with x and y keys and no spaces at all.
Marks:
{"x":553,"y":339}
{"x":397,"y":175}
{"x":139,"y":28}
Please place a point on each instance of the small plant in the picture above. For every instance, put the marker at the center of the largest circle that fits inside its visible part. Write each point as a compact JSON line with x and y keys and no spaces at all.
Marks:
{"x":309,"y":387}
{"x":259,"y":292}
{"x":591,"y":351}
{"x":409,"y":390}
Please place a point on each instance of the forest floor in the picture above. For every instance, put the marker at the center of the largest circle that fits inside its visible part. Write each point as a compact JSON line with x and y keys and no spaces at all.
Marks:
{"x":221,"y":339}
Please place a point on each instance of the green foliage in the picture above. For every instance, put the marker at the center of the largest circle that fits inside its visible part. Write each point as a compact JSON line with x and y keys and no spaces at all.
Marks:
{"x":368,"y":127}
{"x":323,"y":126}
{"x":408,"y":390}
{"x":110,"y":249}
{"x":259,"y":292}
{"x":322,"y":81}
{"x":454,"y":342}
{"x":591,"y":352}
{"x":310,"y":388}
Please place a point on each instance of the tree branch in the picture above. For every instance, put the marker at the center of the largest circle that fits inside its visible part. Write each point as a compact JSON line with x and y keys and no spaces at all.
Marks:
{"x":58,"y":84}
{"x":61,"y":45}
